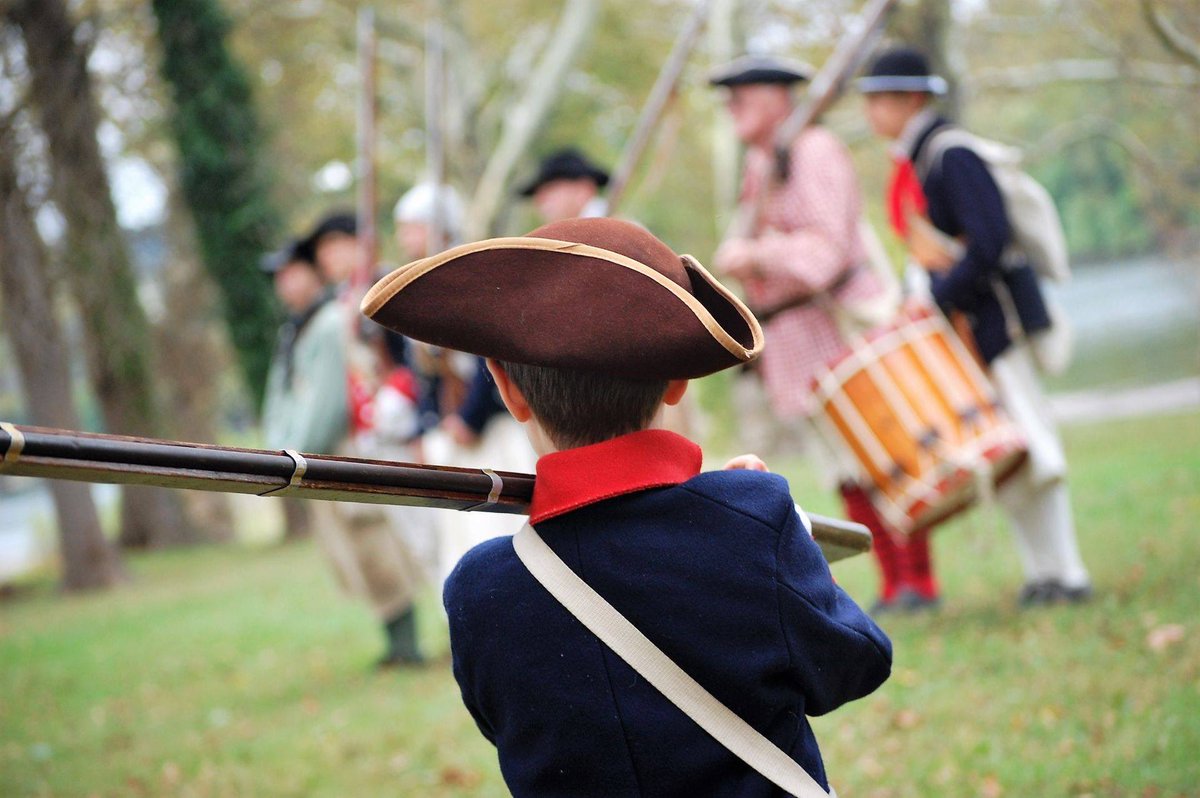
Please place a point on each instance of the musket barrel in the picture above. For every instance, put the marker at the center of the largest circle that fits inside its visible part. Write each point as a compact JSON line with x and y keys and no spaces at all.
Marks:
{"x":116,"y":459}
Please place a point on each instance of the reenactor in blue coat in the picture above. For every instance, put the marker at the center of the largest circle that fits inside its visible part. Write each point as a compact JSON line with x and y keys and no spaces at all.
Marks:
{"x":591,"y":327}
{"x":945,"y":203}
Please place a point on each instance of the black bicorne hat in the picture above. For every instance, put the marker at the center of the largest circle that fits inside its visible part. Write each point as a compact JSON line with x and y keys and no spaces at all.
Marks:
{"x":565,"y":164}
{"x":760,"y":69}
{"x":901,"y":69}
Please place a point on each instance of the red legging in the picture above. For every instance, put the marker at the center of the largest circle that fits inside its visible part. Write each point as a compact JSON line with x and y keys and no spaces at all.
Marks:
{"x":903,"y":562}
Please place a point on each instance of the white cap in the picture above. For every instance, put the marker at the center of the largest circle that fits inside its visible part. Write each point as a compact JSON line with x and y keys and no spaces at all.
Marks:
{"x":421,"y":202}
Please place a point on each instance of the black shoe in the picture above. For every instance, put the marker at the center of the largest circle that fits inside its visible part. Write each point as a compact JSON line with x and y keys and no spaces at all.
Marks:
{"x":401,"y":634}
{"x":907,"y":601}
{"x":912,"y":601}
{"x":391,"y":660}
{"x":1081,"y":594}
{"x":883,"y":607}
{"x":1037,"y":594}
{"x":1052,"y":591}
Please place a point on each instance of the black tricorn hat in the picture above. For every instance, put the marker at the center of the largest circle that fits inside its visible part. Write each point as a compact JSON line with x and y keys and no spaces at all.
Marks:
{"x":760,"y":69}
{"x":901,"y":69}
{"x":565,"y":164}
{"x":600,"y":295}
{"x":340,"y":222}
{"x":296,"y":250}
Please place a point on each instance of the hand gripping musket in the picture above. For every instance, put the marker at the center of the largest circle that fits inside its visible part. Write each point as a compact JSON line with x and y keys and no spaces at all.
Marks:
{"x":89,"y":457}
{"x":825,"y":87}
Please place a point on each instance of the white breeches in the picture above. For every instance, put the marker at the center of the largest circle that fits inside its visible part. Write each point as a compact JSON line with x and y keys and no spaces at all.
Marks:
{"x":1036,"y":498}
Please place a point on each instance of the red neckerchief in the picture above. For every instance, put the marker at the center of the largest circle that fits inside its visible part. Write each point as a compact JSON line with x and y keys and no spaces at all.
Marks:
{"x":362,"y":402}
{"x":574,"y":478}
{"x":904,"y":196}
{"x":403,"y":381}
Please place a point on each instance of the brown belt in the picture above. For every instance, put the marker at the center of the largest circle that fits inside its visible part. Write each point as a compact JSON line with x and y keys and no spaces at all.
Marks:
{"x":765,"y":313}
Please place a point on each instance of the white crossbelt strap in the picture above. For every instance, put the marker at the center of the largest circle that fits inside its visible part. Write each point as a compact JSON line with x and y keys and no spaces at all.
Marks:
{"x":616,"y":632}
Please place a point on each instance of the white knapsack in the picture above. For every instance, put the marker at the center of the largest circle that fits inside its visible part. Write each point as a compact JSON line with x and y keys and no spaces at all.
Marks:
{"x":1037,"y":229}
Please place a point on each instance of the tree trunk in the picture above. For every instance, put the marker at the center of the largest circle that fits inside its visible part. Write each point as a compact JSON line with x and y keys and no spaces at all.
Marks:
{"x":297,"y":519}
{"x":927,"y":26}
{"x":194,"y":354}
{"x":116,"y":331}
{"x":88,"y":561}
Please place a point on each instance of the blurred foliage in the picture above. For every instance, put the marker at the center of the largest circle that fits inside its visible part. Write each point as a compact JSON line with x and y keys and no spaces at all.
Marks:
{"x":301,"y":61}
{"x":307,"y":76}
{"x":1100,"y":206}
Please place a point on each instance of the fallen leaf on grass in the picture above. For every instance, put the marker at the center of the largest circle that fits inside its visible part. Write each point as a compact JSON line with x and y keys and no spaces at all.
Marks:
{"x":945,"y":774}
{"x":459,"y":777}
{"x":870,"y":766}
{"x":1162,"y":637}
{"x":991,"y":787}
{"x":171,"y":774}
{"x":1050,"y":715}
{"x":906,"y":719}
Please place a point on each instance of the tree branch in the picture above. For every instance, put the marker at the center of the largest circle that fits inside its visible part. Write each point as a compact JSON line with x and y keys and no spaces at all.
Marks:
{"x":1074,"y":70}
{"x":1170,"y":36}
{"x":528,"y":113}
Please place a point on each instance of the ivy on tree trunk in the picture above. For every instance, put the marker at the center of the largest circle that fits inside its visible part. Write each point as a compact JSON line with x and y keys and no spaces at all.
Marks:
{"x":222,"y":173}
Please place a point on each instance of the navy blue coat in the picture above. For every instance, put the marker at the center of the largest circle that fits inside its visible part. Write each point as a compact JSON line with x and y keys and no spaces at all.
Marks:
{"x":716,"y":569}
{"x":963,"y":200}
{"x":482,"y":402}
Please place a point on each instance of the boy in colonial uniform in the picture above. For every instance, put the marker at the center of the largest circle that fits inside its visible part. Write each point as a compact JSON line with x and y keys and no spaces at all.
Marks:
{"x":591,"y":327}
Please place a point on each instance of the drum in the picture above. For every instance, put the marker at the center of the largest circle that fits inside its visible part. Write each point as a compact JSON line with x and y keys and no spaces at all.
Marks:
{"x":910,"y":407}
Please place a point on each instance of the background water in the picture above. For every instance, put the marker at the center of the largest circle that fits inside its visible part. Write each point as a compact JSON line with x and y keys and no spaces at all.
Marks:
{"x":1135,"y":323}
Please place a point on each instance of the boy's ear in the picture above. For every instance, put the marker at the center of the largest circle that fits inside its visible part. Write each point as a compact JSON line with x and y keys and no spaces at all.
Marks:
{"x":675,"y":391}
{"x":510,"y":394}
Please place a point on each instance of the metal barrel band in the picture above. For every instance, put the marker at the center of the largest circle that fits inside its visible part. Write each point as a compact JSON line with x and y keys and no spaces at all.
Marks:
{"x":493,"y":496}
{"x":497,"y":486}
{"x":301,"y":466}
{"x":16,"y":445}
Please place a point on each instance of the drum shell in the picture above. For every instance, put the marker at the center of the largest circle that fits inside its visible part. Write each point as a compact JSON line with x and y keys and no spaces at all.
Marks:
{"x":920,"y":419}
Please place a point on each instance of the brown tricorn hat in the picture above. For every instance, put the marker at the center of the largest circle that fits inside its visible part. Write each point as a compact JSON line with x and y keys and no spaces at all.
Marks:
{"x":599,"y":295}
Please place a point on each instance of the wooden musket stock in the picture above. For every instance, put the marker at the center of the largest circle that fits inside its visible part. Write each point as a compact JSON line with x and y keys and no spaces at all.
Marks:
{"x":90,"y":457}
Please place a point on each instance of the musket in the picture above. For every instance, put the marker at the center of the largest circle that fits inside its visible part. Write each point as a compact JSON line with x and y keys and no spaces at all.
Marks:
{"x":29,"y":451}
{"x":368,"y":233}
{"x":664,"y":89}
{"x":825,"y":87}
{"x":435,"y":152}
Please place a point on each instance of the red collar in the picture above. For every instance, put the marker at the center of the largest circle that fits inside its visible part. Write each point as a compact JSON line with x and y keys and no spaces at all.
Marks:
{"x":573,"y":478}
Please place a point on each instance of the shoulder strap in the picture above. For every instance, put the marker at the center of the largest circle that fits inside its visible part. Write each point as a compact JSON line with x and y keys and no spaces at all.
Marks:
{"x":944,"y":138}
{"x":616,"y":632}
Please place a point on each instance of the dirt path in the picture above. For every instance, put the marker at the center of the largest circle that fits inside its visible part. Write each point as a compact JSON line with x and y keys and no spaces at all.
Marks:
{"x":1100,"y":405}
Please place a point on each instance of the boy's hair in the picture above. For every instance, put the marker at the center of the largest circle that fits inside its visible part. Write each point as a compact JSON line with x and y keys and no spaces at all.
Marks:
{"x":577,"y":408}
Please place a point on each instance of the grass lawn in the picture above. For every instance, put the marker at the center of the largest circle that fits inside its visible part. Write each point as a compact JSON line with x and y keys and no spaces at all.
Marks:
{"x":241,"y":671}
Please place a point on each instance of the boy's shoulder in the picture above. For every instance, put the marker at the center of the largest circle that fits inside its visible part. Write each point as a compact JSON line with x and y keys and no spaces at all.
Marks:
{"x":760,"y":495}
{"x":482,"y":571}
{"x":492,"y":567}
